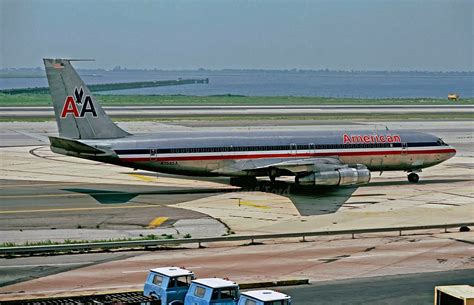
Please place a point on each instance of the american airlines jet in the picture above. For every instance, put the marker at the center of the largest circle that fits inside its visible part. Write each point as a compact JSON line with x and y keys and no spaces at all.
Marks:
{"x":328,"y":158}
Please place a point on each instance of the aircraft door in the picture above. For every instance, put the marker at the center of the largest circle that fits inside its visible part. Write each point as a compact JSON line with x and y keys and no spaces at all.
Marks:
{"x":312,"y":148}
{"x":153,"y":154}
{"x":404,"y":148}
{"x":293,"y":149}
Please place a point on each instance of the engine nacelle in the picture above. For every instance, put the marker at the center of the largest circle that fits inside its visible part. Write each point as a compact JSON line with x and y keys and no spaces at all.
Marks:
{"x":341,"y":176}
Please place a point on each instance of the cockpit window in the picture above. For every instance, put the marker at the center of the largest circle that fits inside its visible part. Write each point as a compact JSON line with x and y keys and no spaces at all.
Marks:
{"x":441,"y":142}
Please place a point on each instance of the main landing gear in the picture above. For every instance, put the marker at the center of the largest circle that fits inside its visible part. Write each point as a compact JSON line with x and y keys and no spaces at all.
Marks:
{"x":413,"y":177}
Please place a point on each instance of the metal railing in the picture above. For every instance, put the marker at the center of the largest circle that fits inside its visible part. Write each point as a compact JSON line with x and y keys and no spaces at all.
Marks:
{"x":229,"y":238}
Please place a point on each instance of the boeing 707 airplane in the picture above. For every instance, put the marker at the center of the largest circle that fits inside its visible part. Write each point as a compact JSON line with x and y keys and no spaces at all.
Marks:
{"x":327,"y":158}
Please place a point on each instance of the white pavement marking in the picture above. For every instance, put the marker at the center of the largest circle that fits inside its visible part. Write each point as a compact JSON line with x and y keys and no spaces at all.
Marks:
{"x":135,"y":271}
{"x":48,"y":265}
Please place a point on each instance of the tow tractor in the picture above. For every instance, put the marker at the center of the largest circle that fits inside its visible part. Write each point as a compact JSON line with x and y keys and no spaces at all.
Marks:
{"x":168,"y":284}
{"x":212,"y":291}
{"x":178,"y":286}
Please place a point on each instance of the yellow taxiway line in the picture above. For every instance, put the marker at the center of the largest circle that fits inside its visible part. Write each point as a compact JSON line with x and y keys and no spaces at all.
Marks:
{"x":158,"y":221}
{"x":254,"y":205}
{"x":77,"y":209}
{"x":144,"y":178}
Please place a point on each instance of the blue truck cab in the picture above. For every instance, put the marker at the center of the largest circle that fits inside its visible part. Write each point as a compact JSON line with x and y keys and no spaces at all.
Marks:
{"x":168,"y":284}
{"x":264,"y":297}
{"x":214,"y":291}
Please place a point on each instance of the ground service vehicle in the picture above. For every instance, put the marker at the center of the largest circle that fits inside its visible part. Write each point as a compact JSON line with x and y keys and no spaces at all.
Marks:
{"x":168,"y":284}
{"x":178,"y":286}
{"x":214,"y":291}
{"x":264,"y":297}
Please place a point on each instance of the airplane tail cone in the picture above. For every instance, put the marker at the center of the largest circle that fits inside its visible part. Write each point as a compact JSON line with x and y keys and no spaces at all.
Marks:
{"x":77,"y":112}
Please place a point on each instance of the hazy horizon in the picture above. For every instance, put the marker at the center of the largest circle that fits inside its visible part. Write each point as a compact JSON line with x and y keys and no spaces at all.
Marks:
{"x":344,"y":35}
{"x":239,"y":69}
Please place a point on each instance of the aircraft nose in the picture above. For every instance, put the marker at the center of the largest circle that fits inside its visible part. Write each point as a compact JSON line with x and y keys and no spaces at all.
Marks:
{"x":452,"y":152}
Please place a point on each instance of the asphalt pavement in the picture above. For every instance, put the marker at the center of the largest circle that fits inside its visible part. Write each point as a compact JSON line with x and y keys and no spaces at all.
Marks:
{"x":409,"y":289}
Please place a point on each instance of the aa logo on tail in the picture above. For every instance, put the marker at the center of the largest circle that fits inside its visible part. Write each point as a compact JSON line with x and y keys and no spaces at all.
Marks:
{"x":75,"y":107}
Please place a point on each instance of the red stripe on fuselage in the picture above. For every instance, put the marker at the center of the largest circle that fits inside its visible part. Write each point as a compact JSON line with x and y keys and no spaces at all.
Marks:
{"x":288,"y":155}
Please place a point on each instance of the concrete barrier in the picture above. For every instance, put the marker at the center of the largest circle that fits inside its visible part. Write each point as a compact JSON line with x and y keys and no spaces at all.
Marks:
{"x":200,"y":241}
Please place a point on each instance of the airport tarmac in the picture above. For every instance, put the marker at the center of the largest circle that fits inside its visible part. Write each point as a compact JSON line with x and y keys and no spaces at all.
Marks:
{"x":48,"y":196}
{"x":45,"y":196}
{"x":320,"y":260}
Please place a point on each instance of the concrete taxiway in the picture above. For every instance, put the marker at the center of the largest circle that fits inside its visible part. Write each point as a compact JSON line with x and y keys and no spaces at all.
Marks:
{"x":48,"y":196}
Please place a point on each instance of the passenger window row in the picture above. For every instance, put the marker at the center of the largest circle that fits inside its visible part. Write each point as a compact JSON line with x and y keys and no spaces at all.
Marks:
{"x":276,"y":148}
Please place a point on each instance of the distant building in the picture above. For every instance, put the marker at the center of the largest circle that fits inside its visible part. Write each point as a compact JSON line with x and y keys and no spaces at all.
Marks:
{"x":453,"y":97}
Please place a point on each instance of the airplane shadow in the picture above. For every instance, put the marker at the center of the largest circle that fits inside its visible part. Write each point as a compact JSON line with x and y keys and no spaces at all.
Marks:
{"x":308,"y":200}
{"x":117,"y":197}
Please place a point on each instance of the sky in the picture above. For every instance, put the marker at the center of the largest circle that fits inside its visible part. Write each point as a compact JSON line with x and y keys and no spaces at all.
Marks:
{"x":428,"y":35}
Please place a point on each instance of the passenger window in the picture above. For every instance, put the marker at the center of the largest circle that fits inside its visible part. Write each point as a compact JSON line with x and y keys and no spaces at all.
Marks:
{"x":199,"y":292}
{"x":157,"y":280}
{"x":250,"y":302}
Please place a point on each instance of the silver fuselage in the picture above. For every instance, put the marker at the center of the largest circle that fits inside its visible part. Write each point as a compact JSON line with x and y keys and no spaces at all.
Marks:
{"x":218,"y":153}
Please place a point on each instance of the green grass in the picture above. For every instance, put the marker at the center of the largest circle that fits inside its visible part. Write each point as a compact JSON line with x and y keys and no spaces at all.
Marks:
{"x":142,"y":100}
{"x":71,"y":241}
{"x":250,"y":117}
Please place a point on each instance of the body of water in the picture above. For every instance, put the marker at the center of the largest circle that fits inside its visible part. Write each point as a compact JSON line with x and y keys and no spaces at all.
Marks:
{"x":283,"y":83}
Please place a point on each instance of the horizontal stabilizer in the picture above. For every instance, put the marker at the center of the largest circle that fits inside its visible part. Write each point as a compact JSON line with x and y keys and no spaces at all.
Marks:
{"x":74,"y":146}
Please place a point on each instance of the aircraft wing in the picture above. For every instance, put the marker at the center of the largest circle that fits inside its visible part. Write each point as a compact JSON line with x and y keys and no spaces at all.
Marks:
{"x":295,"y":165}
{"x":305,"y":165}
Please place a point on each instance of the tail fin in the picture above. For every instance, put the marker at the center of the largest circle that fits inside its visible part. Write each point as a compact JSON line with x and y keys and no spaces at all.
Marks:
{"x":77,"y":112}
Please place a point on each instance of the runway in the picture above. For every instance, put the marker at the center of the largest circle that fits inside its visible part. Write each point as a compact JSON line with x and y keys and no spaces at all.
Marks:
{"x":240,"y":110}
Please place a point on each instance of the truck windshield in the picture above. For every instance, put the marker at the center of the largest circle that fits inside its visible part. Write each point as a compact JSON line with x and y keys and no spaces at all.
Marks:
{"x":228,"y":293}
{"x":282,"y":302}
{"x":181,"y":281}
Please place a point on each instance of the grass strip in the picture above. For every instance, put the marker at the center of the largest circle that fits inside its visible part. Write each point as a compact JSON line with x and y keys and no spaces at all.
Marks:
{"x":249,"y":117}
{"x":174,"y":100}
{"x":71,"y":241}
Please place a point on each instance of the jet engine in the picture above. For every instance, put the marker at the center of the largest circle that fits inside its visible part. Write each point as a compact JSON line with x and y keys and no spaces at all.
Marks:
{"x":340,"y":176}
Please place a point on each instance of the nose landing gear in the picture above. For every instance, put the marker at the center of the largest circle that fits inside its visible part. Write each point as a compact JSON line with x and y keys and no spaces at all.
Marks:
{"x":413,"y":177}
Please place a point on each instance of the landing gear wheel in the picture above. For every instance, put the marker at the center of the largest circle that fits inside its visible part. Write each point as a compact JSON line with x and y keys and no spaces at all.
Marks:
{"x":413,"y":177}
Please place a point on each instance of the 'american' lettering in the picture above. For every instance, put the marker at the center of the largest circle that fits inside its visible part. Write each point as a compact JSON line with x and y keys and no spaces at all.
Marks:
{"x":348,"y":139}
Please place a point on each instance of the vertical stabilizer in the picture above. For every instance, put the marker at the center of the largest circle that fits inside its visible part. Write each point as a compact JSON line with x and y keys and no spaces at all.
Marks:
{"x":77,"y":112}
